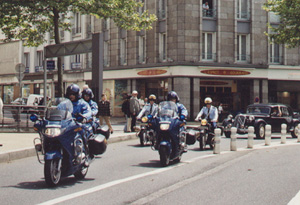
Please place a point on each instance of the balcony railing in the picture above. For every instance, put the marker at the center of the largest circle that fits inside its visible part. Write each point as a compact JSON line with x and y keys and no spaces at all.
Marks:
{"x":209,"y":13}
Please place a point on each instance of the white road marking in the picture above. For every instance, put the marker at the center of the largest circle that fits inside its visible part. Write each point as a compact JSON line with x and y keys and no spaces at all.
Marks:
{"x":295,"y":200}
{"x":120,"y":181}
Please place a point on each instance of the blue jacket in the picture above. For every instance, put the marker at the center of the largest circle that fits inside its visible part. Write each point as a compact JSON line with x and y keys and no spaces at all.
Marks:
{"x":83,"y":108}
{"x":182,"y":110}
{"x":94,"y":107}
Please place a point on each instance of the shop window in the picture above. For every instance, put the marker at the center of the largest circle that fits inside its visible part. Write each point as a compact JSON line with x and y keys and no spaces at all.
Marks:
{"x":243,"y":9}
{"x":162,"y":47}
{"x":208,"y":9}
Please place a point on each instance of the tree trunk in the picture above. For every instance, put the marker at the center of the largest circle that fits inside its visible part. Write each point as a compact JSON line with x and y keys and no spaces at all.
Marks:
{"x":60,"y":72}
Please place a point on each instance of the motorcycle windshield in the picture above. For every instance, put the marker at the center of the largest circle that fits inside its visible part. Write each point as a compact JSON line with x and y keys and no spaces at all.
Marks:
{"x":167,"y":109}
{"x":62,"y":112}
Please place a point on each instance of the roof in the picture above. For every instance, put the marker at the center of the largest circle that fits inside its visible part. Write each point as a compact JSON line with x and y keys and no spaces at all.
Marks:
{"x":267,"y":105}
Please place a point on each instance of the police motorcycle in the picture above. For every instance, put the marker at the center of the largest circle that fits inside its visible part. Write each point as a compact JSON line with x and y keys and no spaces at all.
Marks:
{"x":64,"y":145}
{"x":147,"y":134}
{"x":168,"y":125}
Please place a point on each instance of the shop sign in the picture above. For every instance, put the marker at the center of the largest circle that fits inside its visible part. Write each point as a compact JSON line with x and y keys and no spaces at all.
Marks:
{"x":152,"y":72}
{"x":50,"y":65}
{"x":225,"y":72}
{"x":76,"y":66}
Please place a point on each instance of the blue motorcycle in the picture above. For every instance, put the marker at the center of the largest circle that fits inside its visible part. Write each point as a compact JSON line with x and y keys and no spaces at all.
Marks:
{"x":67,"y":146}
{"x":169,"y":128}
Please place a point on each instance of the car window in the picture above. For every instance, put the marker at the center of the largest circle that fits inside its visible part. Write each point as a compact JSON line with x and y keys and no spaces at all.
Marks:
{"x":258,"y":110}
{"x":284,"y":111}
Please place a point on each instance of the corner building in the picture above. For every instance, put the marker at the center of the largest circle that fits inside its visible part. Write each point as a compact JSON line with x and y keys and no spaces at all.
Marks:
{"x":221,"y":52}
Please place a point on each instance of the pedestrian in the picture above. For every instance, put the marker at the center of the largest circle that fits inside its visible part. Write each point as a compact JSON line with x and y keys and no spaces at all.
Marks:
{"x":126,"y":111}
{"x":220,"y":112}
{"x":134,"y":109}
{"x":104,"y":112}
{"x":141,"y":102}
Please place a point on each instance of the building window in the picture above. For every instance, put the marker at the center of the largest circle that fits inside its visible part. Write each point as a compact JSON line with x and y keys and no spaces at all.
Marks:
{"x":142,"y":9}
{"x":77,"y":24}
{"x":243,"y":9}
{"x":106,"y":24}
{"x":76,"y":62}
{"x":208,"y":46}
{"x":162,"y":9}
{"x":123,"y":49}
{"x":26,"y":62}
{"x":106,"y":54}
{"x":208,"y":9}
{"x":142,"y":49}
{"x":275,"y":52}
{"x":162,"y":47}
{"x":242,"y":48}
{"x":40,"y":58}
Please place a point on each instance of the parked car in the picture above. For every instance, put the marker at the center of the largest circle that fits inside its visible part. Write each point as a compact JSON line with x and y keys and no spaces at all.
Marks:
{"x":259,"y":115}
{"x":19,"y":101}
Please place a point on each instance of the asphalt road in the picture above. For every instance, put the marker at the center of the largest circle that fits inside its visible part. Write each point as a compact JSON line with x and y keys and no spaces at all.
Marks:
{"x":130,"y":174}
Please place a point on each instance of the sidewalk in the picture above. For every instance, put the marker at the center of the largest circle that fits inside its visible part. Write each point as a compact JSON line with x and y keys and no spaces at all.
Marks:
{"x":20,"y":145}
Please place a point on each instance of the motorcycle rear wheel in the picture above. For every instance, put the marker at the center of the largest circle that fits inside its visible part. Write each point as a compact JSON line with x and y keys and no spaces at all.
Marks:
{"x":164,"y":156}
{"x":51,"y":172}
{"x":143,"y":138}
{"x":201,"y":142}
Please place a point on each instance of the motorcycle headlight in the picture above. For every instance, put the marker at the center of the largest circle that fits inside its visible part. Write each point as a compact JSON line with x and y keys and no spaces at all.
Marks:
{"x":144,"y":119}
{"x":203,"y":122}
{"x":52,"y":132}
{"x":164,"y":126}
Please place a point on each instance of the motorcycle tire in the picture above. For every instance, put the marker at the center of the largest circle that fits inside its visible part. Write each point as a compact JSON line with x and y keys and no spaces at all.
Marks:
{"x":51,"y":172}
{"x":143,"y":137}
{"x":81,"y":173}
{"x":201,"y":142}
{"x":164,"y":156}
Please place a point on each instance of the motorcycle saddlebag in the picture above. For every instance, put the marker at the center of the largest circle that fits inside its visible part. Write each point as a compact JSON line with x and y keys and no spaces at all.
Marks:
{"x":190,"y":137}
{"x":97,"y":144}
{"x":103,"y":130}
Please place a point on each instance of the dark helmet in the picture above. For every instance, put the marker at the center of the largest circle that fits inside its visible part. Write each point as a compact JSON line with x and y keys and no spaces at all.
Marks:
{"x":173,"y":95}
{"x":88,"y":92}
{"x":73,"y":89}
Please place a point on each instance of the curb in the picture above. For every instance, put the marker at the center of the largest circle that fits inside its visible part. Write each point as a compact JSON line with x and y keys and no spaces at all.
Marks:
{"x":9,"y":156}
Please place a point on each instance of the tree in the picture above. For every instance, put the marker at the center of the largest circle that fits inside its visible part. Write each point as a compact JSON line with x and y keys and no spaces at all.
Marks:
{"x":288,"y":31}
{"x":30,"y":20}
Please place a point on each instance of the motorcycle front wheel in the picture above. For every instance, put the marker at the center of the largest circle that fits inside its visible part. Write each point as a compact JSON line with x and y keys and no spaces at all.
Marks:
{"x":52,"y":172}
{"x":164,"y":156}
{"x":201,"y":142}
{"x":81,"y":173}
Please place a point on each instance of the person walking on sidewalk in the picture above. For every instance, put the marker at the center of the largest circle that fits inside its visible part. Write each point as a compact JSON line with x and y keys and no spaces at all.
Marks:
{"x":126,"y":111}
{"x":134,"y":109}
{"x":104,"y":112}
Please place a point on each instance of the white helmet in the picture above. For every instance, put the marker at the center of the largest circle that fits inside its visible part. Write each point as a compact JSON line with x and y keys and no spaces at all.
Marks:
{"x":208,"y":100}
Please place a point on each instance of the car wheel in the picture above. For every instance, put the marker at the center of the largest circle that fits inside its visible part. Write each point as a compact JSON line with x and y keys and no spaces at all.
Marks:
{"x":295,"y":131}
{"x":260,"y":131}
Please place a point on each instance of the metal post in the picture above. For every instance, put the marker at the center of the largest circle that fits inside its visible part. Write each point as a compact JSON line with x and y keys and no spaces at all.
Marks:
{"x":250,"y":137}
{"x":298,"y":140}
{"x":217,"y":141}
{"x":283,"y":133}
{"x":233,"y":139}
{"x":268,"y":135}
{"x":45,"y":79}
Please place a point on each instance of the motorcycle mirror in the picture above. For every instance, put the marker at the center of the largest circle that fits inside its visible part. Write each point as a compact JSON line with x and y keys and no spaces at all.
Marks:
{"x":33,"y":117}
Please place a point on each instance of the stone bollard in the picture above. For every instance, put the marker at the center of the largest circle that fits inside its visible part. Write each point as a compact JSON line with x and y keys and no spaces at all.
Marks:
{"x":233,"y":139}
{"x":250,"y":136}
{"x":283,"y":133}
{"x":298,"y":140}
{"x":217,"y":141}
{"x":268,"y":135}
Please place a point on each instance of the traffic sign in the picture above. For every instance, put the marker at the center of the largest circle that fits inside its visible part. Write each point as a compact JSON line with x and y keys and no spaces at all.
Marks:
{"x":20,"y":68}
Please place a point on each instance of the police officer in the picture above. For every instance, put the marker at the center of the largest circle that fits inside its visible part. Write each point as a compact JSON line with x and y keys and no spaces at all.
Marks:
{"x":87,"y":95}
{"x":149,"y":108}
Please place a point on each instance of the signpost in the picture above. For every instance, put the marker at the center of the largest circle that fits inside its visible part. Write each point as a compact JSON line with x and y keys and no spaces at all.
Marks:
{"x":20,"y":69}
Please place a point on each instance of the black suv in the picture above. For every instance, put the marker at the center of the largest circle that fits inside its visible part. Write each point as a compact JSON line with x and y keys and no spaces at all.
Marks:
{"x":259,"y":115}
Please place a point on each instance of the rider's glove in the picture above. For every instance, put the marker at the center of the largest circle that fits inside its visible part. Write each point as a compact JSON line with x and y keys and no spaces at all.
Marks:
{"x":84,"y":120}
{"x":182,"y":117}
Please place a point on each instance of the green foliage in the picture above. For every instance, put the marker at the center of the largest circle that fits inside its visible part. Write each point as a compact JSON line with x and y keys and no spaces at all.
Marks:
{"x":30,"y":20}
{"x":288,"y":31}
